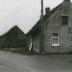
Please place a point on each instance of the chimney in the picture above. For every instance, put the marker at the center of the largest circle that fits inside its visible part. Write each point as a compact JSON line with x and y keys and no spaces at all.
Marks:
{"x":47,"y":10}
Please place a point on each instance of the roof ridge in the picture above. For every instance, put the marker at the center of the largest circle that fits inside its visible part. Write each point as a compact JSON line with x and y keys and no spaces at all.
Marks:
{"x":12,"y":28}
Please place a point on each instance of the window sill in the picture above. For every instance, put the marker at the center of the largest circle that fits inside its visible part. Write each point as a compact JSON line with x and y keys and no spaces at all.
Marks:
{"x":55,"y":45}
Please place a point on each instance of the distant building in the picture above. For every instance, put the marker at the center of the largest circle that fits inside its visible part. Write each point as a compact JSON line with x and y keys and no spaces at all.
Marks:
{"x":57,"y":27}
{"x":14,"y":38}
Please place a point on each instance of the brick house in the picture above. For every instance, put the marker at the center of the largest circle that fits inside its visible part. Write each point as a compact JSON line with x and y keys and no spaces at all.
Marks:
{"x":57,"y":27}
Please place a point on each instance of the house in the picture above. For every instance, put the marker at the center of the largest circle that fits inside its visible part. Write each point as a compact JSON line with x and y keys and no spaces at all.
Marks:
{"x":14,"y":38}
{"x":57,"y":30}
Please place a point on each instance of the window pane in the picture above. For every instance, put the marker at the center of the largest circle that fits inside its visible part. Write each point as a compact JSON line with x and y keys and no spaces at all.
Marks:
{"x":64,"y":20}
{"x":55,"y":34}
{"x":55,"y":40}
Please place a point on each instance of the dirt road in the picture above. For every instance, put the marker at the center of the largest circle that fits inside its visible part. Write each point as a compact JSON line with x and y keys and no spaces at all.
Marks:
{"x":35,"y":63}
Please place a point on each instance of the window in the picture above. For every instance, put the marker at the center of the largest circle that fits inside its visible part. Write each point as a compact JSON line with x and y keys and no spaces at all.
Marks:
{"x":64,"y":20}
{"x":55,"y":39}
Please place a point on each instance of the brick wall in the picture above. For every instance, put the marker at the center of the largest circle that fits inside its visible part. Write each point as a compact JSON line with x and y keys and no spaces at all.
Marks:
{"x":54,"y":25}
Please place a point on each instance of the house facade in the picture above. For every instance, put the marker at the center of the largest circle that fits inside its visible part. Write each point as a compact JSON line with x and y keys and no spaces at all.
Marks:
{"x":57,"y":30}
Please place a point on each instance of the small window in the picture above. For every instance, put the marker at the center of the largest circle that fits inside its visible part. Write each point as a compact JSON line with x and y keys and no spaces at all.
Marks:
{"x":55,"y":39}
{"x":64,"y":20}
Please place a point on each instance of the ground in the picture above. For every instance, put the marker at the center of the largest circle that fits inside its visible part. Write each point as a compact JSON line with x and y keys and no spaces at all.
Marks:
{"x":11,"y":62}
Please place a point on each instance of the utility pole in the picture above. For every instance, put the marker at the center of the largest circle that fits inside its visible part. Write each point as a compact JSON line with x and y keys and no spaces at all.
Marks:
{"x":41,"y":8}
{"x":41,"y":31}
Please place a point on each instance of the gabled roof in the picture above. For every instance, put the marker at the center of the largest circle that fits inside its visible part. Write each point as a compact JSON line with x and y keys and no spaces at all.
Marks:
{"x":14,"y":30}
{"x":45,"y":17}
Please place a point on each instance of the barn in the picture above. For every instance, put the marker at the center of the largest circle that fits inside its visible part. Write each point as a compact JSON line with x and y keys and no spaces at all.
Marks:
{"x":14,"y":38}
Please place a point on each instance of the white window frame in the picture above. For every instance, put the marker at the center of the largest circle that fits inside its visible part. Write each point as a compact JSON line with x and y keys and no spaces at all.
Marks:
{"x":53,"y":44}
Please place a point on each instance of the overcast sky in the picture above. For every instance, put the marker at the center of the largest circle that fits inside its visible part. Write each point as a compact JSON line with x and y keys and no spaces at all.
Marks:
{"x":24,"y":13}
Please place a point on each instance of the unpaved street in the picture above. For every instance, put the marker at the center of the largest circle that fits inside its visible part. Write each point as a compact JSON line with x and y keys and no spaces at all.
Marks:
{"x":6,"y":66}
{"x":11,"y":62}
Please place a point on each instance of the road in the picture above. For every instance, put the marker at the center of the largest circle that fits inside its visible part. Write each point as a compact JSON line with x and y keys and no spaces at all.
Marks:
{"x":6,"y":66}
{"x":11,"y":62}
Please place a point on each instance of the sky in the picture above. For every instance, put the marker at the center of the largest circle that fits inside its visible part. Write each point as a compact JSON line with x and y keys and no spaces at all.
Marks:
{"x":24,"y":13}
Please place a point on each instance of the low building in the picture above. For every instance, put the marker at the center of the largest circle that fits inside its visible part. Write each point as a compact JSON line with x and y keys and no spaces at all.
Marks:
{"x":14,"y":38}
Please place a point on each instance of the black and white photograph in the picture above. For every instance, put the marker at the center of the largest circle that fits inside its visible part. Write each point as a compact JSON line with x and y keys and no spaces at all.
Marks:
{"x":35,"y":35}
